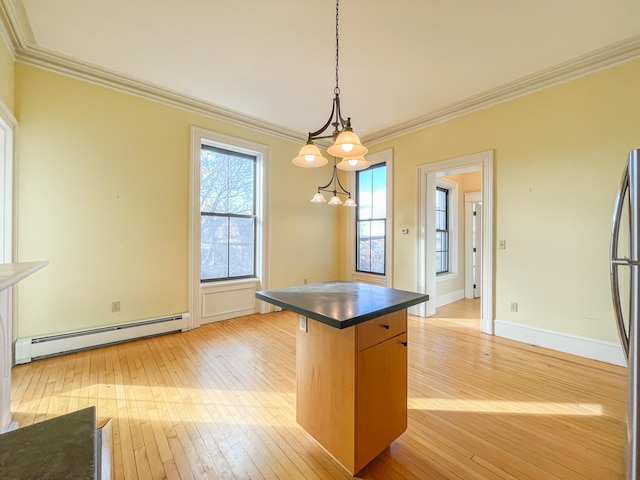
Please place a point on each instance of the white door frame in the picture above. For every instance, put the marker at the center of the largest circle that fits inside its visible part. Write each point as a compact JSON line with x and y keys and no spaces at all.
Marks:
{"x":426,"y":281}
{"x":8,"y":134}
{"x":8,"y":128}
{"x":469,"y":200}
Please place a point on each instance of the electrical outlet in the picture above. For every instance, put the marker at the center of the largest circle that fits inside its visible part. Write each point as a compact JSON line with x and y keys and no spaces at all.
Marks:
{"x":303,"y":323}
{"x":115,"y":306}
{"x":514,"y":307}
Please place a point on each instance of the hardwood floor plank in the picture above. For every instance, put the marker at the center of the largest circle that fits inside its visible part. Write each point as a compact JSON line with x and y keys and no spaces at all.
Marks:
{"x":219,"y":402}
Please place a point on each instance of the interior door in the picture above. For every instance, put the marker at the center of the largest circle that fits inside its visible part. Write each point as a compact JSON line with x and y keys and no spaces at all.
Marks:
{"x":477,"y":249}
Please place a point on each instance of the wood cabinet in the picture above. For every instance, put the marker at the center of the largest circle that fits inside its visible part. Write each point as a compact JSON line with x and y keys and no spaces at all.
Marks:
{"x":352,"y":386}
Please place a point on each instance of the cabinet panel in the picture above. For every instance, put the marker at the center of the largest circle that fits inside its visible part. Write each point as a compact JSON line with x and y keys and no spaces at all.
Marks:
{"x":381,"y":398}
{"x":326,"y":387}
{"x":381,"y":328}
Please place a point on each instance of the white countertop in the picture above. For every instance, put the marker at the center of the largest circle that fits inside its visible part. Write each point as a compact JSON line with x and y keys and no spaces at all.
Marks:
{"x":11,"y":273}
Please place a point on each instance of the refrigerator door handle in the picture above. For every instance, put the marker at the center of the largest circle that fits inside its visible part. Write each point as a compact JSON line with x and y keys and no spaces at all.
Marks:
{"x":617,"y":309}
{"x":615,"y":262}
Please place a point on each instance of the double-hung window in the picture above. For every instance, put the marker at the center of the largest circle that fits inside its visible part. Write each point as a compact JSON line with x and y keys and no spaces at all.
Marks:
{"x":227,"y":214}
{"x":442,"y":230}
{"x":371,"y":219}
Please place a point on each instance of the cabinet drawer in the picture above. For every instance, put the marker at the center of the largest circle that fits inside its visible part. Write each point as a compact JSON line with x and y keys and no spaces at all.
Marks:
{"x":381,"y":328}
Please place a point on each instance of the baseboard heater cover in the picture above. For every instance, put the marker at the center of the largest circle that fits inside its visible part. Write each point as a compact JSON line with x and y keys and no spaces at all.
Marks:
{"x":29,"y":348}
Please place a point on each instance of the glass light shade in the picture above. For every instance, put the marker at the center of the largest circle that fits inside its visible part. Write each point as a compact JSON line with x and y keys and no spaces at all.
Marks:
{"x":353,"y":163}
{"x":309,"y":157}
{"x":347,"y":145}
{"x":319,"y":198}
{"x":349,"y":202}
{"x":335,"y":200}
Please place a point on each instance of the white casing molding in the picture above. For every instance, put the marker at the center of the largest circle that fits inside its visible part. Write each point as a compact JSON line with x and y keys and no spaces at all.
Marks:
{"x":426,"y":277}
{"x":609,"y":352}
{"x":385,"y":156}
{"x":214,"y":301}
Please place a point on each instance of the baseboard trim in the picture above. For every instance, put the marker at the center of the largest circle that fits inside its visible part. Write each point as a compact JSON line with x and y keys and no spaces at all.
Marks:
{"x":447,"y":298}
{"x":586,"y":347}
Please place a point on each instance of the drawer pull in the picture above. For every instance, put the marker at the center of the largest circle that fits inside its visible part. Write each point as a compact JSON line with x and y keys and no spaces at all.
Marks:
{"x":386,"y":326}
{"x":404,"y":343}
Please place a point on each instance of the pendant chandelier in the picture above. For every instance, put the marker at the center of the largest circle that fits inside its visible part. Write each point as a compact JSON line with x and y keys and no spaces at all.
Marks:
{"x":346,"y":144}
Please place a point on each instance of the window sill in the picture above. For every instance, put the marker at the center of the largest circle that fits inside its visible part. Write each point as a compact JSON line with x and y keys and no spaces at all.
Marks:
{"x":229,"y":283}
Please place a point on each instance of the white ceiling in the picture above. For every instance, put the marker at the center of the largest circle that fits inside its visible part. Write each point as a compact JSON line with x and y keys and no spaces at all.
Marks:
{"x":275,"y":60}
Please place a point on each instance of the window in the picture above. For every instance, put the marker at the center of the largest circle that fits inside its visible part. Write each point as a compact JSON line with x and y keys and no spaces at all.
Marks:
{"x":371,"y":218}
{"x":442,"y":230}
{"x":227,"y":214}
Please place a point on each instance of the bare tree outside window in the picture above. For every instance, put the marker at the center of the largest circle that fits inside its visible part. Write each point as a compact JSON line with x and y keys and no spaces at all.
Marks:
{"x":227,"y":214}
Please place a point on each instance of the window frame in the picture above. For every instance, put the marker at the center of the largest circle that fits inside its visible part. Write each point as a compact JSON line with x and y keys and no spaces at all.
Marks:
{"x":228,"y":215}
{"x":370,"y":220}
{"x":454,"y":227}
{"x":386,"y":280}
{"x":223,"y":299}
{"x":446,"y":230}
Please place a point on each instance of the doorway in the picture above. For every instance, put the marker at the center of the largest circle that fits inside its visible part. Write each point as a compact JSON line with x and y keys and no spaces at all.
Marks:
{"x":473,"y":244}
{"x":426,"y":282}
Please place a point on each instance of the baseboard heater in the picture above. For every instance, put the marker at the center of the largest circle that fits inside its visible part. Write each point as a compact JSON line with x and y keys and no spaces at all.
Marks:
{"x":30,"y":348}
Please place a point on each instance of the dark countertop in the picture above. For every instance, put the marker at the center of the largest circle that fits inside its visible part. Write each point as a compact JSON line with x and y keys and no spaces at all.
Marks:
{"x":341,"y":304}
{"x":58,"y":448}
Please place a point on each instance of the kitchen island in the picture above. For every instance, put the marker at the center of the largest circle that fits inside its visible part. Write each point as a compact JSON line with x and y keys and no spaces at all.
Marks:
{"x":351,"y":365}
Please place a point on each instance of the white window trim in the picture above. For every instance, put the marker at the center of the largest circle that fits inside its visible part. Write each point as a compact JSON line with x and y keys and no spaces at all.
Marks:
{"x":386,"y":280}
{"x":453,"y":229}
{"x":198,"y":289}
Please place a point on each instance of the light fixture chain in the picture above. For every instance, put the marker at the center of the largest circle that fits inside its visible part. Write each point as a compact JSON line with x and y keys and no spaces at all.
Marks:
{"x":337,"y":90}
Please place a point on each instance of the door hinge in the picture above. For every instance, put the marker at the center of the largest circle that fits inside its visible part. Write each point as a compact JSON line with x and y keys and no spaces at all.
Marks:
{"x":474,"y":213}
{"x":474,"y":249}
{"x":474,"y":286}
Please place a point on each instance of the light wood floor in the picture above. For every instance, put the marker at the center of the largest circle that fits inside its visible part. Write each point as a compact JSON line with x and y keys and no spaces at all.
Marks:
{"x":219,"y":402}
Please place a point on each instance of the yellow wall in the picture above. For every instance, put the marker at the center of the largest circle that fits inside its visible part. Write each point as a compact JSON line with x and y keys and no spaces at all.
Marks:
{"x":104,"y":196}
{"x":6,"y":75}
{"x":559,"y":154}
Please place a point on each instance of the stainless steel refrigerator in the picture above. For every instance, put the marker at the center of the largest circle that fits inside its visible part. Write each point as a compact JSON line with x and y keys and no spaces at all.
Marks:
{"x":625,"y":281}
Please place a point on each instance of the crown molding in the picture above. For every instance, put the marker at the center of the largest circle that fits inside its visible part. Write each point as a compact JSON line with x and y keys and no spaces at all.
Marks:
{"x":6,"y":31}
{"x":45,"y":59}
{"x":611,"y":55}
{"x":16,"y":31}
{"x":14,"y":25}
